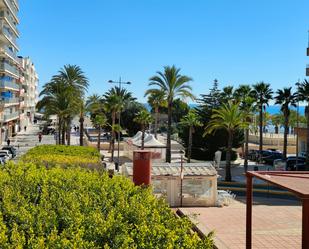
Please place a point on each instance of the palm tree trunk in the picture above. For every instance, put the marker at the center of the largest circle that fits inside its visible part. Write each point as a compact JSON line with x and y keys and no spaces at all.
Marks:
{"x":307,"y":149}
{"x":81,"y":131}
{"x":156,"y":121}
{"x":59,"y":131}
{"x":228,"y":176}
{"x":99,"y":139}
{"x":169,"y":131}
{"x":69,"y":131}
{"x":190,"y":143}
{"x":285,"y":135}
{"x":63,"y":133}
{"x":246,"y":149}
{"x":143,"y":137}
{"x":113,"y":136}
{"x":261,"y":133}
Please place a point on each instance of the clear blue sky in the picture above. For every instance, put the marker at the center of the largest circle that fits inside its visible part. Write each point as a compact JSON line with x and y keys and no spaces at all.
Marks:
{"x":236,"y":41}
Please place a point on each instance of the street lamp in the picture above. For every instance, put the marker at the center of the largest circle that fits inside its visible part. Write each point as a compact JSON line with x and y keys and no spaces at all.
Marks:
{"x":181,"y":175}
{"x":120,"y":82}
{"x":297,"y":121}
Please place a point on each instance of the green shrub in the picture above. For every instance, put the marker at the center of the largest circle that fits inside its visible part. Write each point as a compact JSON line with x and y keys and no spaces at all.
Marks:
{"x":66,"y":156}
{"x":79,"y":208}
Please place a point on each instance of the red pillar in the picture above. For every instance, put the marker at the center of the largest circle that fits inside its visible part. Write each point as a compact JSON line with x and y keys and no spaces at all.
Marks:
{"x":142,"y":167}
{"x":249,"y":212}
{"x":305,"y":236}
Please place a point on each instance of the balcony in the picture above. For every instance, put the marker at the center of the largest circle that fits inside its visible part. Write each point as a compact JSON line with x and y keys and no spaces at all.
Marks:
{"x":9,"y":85}
{"x":10,"y":101}
{"x":7,"y":33}
{"x":13,"y":7}
{"x":10,"y":21}
{"x":4,"y":66}
{"x":307,"y":70}
{"x":10,"y":116}
{"x":9,"y":53}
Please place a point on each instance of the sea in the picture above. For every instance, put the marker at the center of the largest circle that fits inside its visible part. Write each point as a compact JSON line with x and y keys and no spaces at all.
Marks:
{"x":271,"y":109}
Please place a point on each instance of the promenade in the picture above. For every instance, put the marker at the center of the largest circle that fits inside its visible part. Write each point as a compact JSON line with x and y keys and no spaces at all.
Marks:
{"x":25,"y":140}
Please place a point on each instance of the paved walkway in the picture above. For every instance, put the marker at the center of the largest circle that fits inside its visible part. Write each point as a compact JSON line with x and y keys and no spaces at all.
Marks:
{"x":25,"y":140}
{"x":276,"y":223}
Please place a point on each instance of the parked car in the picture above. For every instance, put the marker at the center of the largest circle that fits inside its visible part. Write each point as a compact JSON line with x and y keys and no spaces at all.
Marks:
{"x":252,"y":154}
{"x":269,"y":158}
{"x":4,"y":158}
{"x":6,"y":152}
{"x":11,"y":150}
{"x":292,"y":163}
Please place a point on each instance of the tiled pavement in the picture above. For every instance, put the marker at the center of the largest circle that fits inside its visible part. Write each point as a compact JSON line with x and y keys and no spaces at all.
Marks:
{"x":276,"y":223}
{"x":25,"y":140}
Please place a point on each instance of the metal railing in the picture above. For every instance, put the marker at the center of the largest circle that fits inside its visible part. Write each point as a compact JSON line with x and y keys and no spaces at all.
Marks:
{"x":10,"y":101}
{"x":9,"y":35}
{"x":4,"y":14}
{"x":13,"y":115}
{"x":7,"y":67}
{"x":8,"y":84}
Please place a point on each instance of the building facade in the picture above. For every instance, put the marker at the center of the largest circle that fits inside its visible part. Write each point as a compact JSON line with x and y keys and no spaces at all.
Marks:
{"x":18,"y":79}
{"x":10,"y":83}
{"x":29,"y":92}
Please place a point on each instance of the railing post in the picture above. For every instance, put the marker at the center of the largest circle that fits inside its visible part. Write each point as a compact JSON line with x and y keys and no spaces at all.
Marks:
{"x":305,"y":224}
{"x":249,"y":212}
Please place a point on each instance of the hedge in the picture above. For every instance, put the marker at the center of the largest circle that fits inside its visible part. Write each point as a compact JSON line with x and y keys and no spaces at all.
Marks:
{"x":79,"y":208}
{"x":66,"y":156}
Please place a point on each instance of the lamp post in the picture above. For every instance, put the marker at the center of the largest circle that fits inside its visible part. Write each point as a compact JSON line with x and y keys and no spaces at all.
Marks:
{"x":297,"y":122}
{"x":120,"y":83}
{"x":181,"y":175}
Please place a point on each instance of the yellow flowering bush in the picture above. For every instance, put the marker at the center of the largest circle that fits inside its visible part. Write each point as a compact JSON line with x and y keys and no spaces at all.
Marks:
{"x":65,"y":156}
{"x":78,"y":208}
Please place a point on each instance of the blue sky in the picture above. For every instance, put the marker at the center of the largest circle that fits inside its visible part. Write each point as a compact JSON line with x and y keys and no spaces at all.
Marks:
{"x":236,"y":41}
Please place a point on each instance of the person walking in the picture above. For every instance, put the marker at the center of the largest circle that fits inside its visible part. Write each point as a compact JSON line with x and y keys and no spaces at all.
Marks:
{"x":25,"y":128}
{"x":8,"y":141}
{"x":40,"y":137}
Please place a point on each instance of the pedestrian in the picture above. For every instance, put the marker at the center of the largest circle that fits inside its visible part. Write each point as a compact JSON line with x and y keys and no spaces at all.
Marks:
{"x":25,"y":128}
{"x":40,"y":137}
{"x":8,"y":142}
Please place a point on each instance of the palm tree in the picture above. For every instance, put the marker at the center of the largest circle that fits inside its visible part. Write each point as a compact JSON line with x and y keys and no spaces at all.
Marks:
{"x":227,"y":93}
{"x":262,"y":94}
{"x":77,"y":84}
{"x":156,"y":99}
{"x":191,"y":120}
{"x":173,"y":84}
{"x":286,"y":98}
{"x":243,"y":94}
{"x":95,"y":106}
{"x":230,"y":118}
{"x":56,"y":100}
{"x":303,"y":90}
{"x":143,"y":118}
{"x":99,"y":122}
{"x":276,"y":120}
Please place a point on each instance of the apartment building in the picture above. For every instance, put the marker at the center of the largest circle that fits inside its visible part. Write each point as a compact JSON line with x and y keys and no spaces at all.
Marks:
{"x":18,"y":78}
{"x":29,"y":92}
{"x":10,"y":82}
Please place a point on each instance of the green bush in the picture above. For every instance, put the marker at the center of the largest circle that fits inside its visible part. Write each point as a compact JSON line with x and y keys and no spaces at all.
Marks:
{"x":66,"y":156}
{"x":79,"y":208}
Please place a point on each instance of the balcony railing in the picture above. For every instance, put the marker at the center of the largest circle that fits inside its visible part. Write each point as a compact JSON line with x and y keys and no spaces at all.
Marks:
{"x":9,"y":53}
{"x":8,"y":34}
{"x":12,"y":8}
{"x":10,"y":116}
{"x":3,"y":14}
{"x":7,"y":67}
{"x":10,"y":101}
{"x":8,"y":84}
